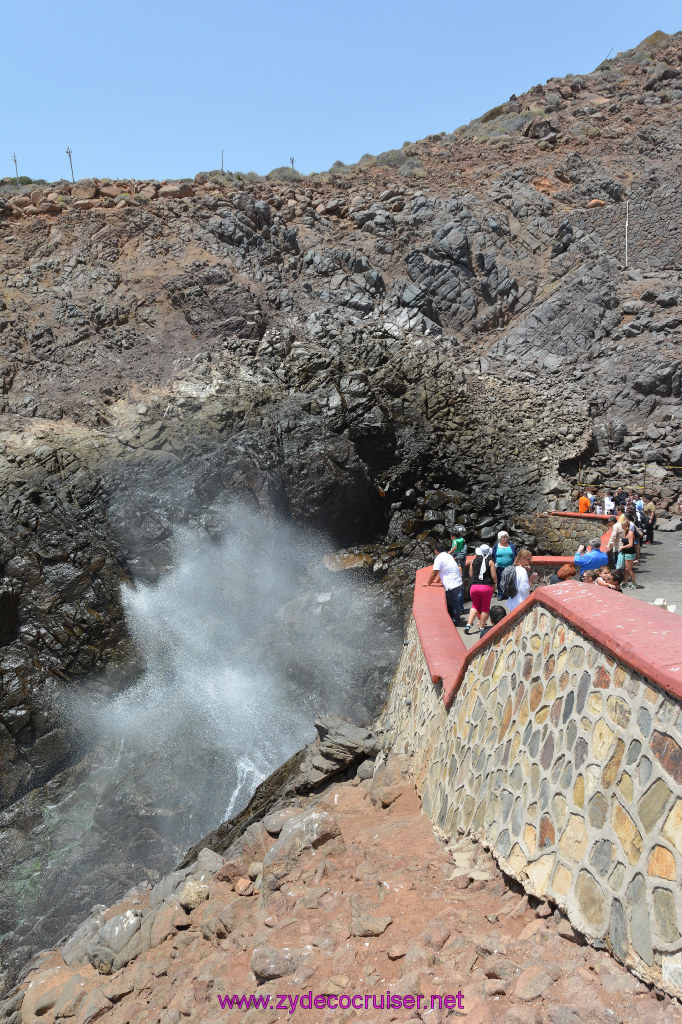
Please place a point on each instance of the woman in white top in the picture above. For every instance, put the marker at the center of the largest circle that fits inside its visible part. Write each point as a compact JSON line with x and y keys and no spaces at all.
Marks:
{"x":524,"y":582}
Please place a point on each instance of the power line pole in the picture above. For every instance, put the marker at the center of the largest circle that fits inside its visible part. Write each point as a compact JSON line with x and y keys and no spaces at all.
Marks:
{"x":627,"y":221}
{"x":16,"y":171}
{"x":222,"y":154}
{"x":68,"y":153}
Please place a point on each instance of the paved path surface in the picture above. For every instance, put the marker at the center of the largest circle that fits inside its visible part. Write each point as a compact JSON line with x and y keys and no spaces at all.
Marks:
{"x":658,"y":575}
{"x":660,"y":571}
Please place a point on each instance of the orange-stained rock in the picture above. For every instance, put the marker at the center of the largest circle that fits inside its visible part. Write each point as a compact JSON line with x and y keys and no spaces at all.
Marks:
{"x":662,"y":863}
{"x":506,"y":719}
{"x":610,"y":773}
{"x":180,"y":190}
{"x":547,"y":835}
{"x":628,"y":833}
{"x":168,"y":918}
{"x":43,"y":991}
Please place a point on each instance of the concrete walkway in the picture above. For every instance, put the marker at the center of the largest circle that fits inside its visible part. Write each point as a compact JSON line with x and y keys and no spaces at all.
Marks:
{"x":659,"y":574}
{"x":660,"y":571}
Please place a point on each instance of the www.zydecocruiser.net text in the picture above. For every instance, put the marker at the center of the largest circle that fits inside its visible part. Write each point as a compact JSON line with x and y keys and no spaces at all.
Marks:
{"x":386,"y":1001}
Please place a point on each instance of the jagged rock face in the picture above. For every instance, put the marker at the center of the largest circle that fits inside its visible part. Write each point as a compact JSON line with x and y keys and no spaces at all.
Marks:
{"x":377,"y":354}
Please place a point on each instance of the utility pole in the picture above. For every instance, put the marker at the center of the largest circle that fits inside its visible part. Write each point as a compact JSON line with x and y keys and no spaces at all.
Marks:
{"x":222,"y":154}
{"x":627,"y":221}
{"x":16,"y":171}
{"x":68,"y":153}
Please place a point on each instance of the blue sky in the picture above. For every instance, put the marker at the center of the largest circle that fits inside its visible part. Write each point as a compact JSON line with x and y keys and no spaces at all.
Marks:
{"x":157,"y":89}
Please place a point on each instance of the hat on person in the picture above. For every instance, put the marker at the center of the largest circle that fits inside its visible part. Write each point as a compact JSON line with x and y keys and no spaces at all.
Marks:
{"x":484,"y":550}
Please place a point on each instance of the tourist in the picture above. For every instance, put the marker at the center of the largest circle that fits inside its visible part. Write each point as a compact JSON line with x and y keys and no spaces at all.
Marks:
{"x":483,"y":581}
{"x":504,"y":554}
{"x":649,"y":512}
{"x":617,"y":579}
{"x":459,"y":546}
{"x":497,"y":613}
{"x":590,"y":576}
{"x":447,"y":569}
{"x":584,"y":504}
{"x":563,"y":573}
{"x":604,"y":579}
{"x":626,"y":557}
{"x":524,"y":582}
{"x":619,"y":497}
{"x":637,"y":527}
{"x":590,"y":557}
{"x":590,"y":497}
{"x":617,"y":534}
{"x":609,"y":503}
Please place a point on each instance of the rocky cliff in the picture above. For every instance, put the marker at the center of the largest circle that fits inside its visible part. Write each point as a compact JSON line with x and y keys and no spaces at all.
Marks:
{"x":445,"y":332}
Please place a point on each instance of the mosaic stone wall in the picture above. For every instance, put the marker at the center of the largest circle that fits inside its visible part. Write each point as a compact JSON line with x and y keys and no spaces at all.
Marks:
{"x":569,"y":765}
{"x":559,"y":536}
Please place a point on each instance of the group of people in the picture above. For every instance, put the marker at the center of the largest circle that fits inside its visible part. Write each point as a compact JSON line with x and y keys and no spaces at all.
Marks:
{"x":499,"y":569}
{"x":640,"y":508}
{"x":631,"y":528}
{"x":602,"y":575}
{"x":503,"y":571}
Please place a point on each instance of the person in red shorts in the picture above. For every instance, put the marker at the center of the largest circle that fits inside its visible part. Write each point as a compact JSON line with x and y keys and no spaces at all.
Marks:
{"x":483,"y":582}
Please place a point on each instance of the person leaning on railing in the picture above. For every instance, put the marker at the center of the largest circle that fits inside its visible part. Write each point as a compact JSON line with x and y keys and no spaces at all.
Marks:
{"x":564,"y":573}
{"x":446,"y":567}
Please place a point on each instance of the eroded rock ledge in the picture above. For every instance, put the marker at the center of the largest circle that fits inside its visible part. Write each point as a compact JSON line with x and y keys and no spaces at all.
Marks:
{"x":344,"y":892}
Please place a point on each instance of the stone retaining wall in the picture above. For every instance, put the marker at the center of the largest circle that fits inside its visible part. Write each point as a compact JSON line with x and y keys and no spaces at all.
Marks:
{"x":567,"y":762}
{"x":562,"y":534}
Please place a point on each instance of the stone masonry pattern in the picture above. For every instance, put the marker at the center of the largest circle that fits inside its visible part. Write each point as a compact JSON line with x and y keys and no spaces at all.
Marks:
{"x":561,"y":536}
{"x":569,"y":765}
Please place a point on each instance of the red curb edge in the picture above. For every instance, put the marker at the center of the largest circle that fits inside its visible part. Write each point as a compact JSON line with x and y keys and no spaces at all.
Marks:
{"x":602,"y":516}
